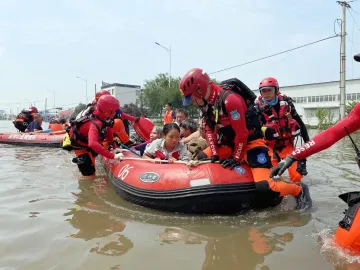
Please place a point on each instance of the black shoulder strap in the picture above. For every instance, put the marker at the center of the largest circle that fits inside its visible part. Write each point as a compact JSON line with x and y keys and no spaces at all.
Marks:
{"x":96,"y":125}
{"x":221,"y":101}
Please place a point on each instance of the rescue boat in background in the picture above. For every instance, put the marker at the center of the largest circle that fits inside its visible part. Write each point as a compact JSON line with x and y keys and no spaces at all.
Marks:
{"x":36,"y":139}
{"x":204,"y":189}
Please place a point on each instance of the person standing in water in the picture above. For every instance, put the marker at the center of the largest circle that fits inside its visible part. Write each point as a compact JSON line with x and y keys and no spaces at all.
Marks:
{"x":282,"y":124}
{"x":348,"y":233}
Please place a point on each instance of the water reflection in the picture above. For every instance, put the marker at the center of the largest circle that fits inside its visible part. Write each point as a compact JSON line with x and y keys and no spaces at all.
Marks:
{"x":241,"y":247}
{"x":92,"y":220}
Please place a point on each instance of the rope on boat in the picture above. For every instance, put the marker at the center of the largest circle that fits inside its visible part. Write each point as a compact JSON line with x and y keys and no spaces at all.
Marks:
{"x":191,"y":163}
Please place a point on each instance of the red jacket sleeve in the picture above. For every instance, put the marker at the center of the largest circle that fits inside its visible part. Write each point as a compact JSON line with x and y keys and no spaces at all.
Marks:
{"x":330,"y":136}
{"x":128,"y":117}
{"x":94,"y":140}
{"x":236,"y":108}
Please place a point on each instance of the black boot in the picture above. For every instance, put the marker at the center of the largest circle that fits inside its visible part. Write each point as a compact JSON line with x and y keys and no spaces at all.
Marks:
{"x":303,"y":199}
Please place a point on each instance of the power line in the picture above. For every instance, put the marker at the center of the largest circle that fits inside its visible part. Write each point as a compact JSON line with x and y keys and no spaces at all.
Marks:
{"x":272,"y":55}
{"x":354,"y":19}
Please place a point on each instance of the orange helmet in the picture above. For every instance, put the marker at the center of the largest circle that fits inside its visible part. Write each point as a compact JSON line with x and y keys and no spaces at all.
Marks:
{"x":33,"y":109}
{"x":269,"y":82}
{"x":107,"y":106}
{"x":101,"y":93}
{"x":194,"y":80}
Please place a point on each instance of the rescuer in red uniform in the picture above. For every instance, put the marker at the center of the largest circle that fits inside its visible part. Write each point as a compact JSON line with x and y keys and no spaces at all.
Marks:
{"x":283,"y":124}
{"x":232,"y":121}
{"x":348,"y":233}
{"x":89,"y":131}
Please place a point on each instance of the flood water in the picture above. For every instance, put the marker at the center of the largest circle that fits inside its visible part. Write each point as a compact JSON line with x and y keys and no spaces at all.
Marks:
{"x":49,"y":219}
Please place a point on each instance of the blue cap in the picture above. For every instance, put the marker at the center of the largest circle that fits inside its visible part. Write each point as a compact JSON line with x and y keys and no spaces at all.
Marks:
{"x":187,"y":100}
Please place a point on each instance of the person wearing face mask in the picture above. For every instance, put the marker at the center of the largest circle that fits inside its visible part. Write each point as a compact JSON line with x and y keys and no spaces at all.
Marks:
{"x":232,"y":121}
{"x":282,"y":126}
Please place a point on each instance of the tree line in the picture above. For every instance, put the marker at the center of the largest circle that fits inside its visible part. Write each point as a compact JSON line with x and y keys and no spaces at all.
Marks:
{"x":155,"y":94}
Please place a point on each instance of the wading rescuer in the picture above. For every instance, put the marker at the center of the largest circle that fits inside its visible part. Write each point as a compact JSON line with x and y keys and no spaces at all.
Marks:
{"x":282,"y":126}
{"x":348,"y":233}
{"x":232,"y":121}
{"x":86,"y":134}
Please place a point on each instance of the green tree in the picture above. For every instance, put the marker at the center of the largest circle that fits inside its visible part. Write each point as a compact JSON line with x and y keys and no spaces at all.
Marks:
{"x":134,"y":110}
{"x":157,"y":93}
{"x":325,"y":117}
{"x":78,"y":109}
{"x":350,"y":106}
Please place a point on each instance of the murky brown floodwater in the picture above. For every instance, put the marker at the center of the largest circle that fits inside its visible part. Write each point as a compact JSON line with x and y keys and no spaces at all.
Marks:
{"x":50,"y":220}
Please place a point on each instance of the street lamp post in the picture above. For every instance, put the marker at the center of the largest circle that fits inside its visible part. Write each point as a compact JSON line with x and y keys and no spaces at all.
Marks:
{"x":85,"y":80}
{"x":169,"y":52}
{"x":52,"y":91}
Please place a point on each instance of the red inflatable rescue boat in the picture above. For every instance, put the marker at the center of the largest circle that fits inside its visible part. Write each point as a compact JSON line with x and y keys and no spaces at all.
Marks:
{"x":36,"y":139}
{"x":206,"y":188}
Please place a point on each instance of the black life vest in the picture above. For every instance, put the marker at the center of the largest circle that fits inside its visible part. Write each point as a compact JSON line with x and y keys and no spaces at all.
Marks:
{"x":79,"y":140}
{"x":23,"y":119}
{"x":252,"y":115}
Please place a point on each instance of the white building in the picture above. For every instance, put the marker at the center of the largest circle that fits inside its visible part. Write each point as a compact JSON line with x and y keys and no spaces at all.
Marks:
{"x":125,"y":93}
{"x":309,"y":97}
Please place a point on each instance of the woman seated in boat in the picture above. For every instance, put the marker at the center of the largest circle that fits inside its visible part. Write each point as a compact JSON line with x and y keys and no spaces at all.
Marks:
{"x":156,"y":133}
{"x":169,"y":147}
{"x":192,"y":138}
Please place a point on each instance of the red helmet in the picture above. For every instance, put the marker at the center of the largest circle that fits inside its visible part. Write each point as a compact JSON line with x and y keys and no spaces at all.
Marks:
{"x":106,"y":106}
{"x":269,"y":82}
{"x":101,"y":93}
{"x":194,"y":80}
{"x":33,"y":109}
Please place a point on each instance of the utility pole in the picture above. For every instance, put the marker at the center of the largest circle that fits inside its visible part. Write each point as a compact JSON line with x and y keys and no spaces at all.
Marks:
{"x":344,"y":5}
{"x":46,"y":110}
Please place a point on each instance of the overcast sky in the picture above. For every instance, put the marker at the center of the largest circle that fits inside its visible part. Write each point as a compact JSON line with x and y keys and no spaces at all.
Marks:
{"x":45,"y":44}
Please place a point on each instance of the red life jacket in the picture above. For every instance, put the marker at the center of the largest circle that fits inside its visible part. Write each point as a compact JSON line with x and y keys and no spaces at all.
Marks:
{"x":79,"y":140}
{"x":286,"y":128}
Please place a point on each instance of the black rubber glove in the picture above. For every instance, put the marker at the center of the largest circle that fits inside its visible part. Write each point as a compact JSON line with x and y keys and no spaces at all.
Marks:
{"x":214,"y":159}
{"x":301,"y":167}
{"x":229,"y":162}
{"x":282,"y":166}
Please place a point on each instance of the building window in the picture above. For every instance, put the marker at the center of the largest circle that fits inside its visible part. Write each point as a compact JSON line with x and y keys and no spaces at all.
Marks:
{"x":348,"y":96}
{"x":326,"y":98}
{"x":309,"y":113}
{"x":317,"y":98}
